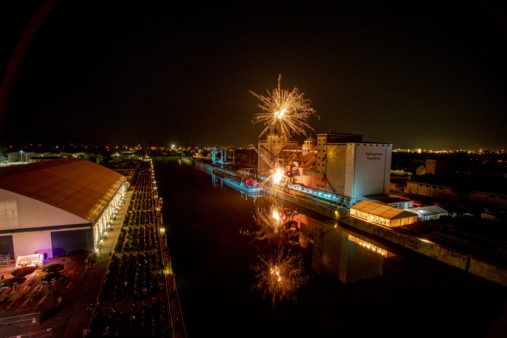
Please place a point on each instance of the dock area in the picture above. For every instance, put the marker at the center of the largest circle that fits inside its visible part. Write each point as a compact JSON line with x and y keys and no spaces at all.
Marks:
{"x":138,"y":296}
{"x":60,"y":308}
{"x":126,"y":287}
{"x":442,"y":253}
{"x":404,"y":239}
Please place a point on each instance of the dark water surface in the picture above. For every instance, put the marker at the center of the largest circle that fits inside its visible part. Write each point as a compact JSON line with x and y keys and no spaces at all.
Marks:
{"x":345,"y":284}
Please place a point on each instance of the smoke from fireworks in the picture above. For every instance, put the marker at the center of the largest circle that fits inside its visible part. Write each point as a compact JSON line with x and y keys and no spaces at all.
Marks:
{"x":280,"y":276}
{"x":284,"y":112}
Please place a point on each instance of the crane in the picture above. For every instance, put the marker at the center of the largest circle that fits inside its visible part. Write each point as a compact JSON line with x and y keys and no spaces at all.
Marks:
{"x":264,"y":157}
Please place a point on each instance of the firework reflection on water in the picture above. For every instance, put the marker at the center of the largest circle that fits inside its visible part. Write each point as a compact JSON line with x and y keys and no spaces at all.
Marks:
{"x":280,"y":275}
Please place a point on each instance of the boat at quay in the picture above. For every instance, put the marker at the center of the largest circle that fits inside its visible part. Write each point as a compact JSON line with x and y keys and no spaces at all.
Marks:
{"x":404,"y":239}
{"x":250,"y":186}
{"x":224,"y":244}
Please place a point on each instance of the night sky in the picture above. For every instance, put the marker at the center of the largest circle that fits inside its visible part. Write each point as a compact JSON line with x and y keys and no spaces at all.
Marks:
{"x":426,"y":75}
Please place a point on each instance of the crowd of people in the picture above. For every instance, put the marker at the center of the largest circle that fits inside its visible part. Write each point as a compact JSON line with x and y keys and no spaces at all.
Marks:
{"x":134,"y":299}
{"x":139,"y":217}
{"x":137,"y":239}
{"x":141,"y":319}
{"x":133,"y":275}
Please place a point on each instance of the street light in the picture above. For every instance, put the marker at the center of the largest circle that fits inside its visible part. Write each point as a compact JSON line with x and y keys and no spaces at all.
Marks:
{"x":21,"y":154}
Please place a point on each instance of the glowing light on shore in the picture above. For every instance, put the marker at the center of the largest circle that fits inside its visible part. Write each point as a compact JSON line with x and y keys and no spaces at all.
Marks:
{"x":280,"y":275}
{"x":277,"y":176}
{"x":284,"y":112}
{"x":370,"y":247}
{"x":276,"y":215}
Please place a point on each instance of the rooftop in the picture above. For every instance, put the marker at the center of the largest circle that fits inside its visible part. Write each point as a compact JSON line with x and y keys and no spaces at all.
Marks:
{"x":80,"y":187}
{"x":428,"y":210}
{"x":381,"y":210}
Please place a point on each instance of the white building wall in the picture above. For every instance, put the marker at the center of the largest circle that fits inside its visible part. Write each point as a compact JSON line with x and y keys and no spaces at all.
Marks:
{"x":33,"y":214}
{"x":27,"y":243}
{"x":387,"y":167}
{"x":274,"y":145}
{"x":336,"y":167}
{"x":372,"y":166}
{"x":355,"y":170}
{"x":350,"y":169}
{"x":101,"y":224}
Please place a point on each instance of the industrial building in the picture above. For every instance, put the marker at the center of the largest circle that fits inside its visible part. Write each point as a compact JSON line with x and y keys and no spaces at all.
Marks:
{"x":270,"y":148}
{"x":382,"y":214}
{"x":395,"y":202}
{"x":340,"y":164}
{"x":429,"y":213}
{"x":353,"y":168}
{"x":482,"y":198}
{"x":56,"y":207}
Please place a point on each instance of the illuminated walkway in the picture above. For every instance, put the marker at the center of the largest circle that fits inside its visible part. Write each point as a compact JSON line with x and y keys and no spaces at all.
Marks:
{"x":91,"y":285}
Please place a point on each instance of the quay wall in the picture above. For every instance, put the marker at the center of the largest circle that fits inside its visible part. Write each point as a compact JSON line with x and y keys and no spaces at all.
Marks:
{"x":447,"y":255}
{"x":444,"y":254}
{"x":323,"y":208}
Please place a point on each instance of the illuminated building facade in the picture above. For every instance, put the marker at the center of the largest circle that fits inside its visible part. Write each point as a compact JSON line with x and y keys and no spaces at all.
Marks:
{"x":56,"y":207}
{"x":339,"y":165}
{"x":271,"y":147}
{"x":382,"y":214}
{"x":353,"y":168}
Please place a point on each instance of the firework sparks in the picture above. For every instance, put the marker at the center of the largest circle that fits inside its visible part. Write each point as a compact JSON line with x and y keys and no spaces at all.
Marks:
{"x":284,"y":112}
{"x":277,"y":176}
{"x":280,"y":276}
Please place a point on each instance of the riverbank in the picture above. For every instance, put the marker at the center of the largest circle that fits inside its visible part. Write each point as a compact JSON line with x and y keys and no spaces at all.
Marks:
{"x":353,"y":281}
{"x":442,"y":253}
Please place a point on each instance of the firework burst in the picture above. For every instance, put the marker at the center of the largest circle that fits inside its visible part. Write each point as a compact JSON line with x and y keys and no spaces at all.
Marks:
{"x":284,"y":112}
{"x":280,"y":275}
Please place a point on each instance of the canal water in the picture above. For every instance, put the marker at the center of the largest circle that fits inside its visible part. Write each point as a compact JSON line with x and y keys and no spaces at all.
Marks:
{"x":256,"y":267}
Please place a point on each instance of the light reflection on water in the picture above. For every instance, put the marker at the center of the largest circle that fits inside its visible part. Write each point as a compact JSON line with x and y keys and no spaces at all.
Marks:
{"x":280,"y":271}
{"x":352,"y":282}
{"x":282,"y":232}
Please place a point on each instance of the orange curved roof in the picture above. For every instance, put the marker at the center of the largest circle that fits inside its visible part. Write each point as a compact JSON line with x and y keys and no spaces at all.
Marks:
{"x":80,"y":187}
{"x":381,"y":210}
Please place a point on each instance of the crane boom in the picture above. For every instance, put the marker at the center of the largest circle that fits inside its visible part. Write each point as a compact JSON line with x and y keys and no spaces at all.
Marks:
{"x":264,"y":157}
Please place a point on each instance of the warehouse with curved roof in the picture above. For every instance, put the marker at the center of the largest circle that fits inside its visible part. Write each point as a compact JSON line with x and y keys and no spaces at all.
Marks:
{"x":57,"y":206}
{"x":382,"y":214}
